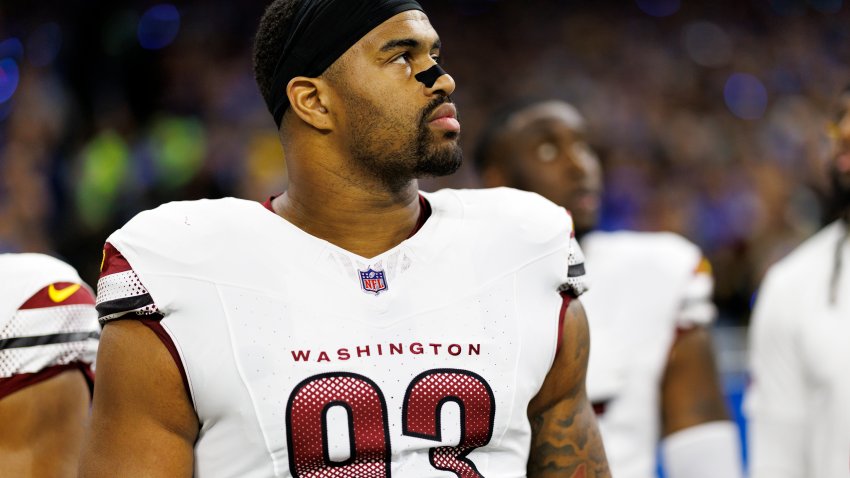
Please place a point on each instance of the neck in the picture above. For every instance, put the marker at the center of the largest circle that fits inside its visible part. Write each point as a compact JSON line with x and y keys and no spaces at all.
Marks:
{"x":364,"y":221}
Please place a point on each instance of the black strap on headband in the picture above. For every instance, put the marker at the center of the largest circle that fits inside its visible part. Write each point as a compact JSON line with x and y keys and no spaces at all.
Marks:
{"x":321,"y":32}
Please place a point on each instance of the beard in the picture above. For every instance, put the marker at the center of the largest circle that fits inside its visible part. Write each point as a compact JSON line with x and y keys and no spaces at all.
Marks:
{"x":384,"y":148}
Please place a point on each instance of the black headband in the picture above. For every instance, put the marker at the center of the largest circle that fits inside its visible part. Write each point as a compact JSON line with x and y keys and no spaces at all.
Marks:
{"x":321,"y":32}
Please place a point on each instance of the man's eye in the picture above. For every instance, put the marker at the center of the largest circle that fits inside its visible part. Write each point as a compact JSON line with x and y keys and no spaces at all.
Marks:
{"x":402,"y":59}
{"x":547,"y":152}
{"x":437,"y":59}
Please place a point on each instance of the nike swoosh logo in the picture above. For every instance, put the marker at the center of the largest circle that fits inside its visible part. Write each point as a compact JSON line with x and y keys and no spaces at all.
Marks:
{"x":61,"y":295}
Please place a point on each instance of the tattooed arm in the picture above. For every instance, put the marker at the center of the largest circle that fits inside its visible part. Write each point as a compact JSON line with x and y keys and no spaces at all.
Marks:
{"x":565,"y":441}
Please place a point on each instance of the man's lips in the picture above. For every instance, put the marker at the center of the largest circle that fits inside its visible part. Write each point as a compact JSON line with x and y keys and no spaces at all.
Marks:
{"x":445,"y":117}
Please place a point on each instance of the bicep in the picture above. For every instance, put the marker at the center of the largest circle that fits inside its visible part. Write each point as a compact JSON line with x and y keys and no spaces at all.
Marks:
{"x":690,"y":390}
{"x":142,"y":421}
{"x":565,"y":439}
{"x":43,"y":424}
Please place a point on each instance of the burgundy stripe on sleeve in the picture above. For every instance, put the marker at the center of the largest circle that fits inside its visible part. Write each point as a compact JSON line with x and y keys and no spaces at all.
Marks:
{"x":160,"y":332}
{"x":52,"y":296}
{"x":21,"y":381}
{"x":566,"y":299}
{"x":113,"y":261}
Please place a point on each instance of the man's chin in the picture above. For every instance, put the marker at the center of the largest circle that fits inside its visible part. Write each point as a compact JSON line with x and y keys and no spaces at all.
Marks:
{"x":440,"y":161}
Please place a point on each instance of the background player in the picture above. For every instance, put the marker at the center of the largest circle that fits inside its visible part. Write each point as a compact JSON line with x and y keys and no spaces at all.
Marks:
{"x":48,"y":341}
{"x":368,"y":305}
{"x":652,"y":371}
{"x":797,"y":401}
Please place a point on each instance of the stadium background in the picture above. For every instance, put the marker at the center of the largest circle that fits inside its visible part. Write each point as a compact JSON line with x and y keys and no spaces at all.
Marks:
{"x":709,"y":117}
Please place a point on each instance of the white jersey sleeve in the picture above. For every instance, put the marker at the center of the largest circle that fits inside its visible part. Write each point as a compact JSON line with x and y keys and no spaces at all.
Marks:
{"x":48,"y":323}
{"x":697,"y":308}
{"x":120,"y":292}
{"x":576,"y":282}
{"x":777,"y":403}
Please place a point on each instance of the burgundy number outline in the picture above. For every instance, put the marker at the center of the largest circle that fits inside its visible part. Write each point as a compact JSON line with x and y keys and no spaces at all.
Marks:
{"x":437,"y":436}
{"x":387,"y":452}
{"x":406,"y":429}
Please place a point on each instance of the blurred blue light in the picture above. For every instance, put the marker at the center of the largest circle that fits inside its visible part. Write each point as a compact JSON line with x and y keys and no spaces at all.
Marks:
{"x":43,"y":44}
{"x":9,"y":76}
{"x":159,"y":26}
{"x":746,"y":96}
{"x":659,"y":8}
{"x":12,"y":48}
{"x":827,"y":6}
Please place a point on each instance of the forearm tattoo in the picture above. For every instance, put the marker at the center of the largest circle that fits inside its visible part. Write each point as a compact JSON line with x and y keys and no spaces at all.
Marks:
{"x":565,"y":438}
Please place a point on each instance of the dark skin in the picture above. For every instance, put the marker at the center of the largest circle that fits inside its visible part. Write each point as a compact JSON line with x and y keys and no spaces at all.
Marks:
{"x":358,"y":212}
{"x":143,"y":422}
{"x":542,"y":149}
{"x":565,"y":439}
{"x":42,"y":431}
{"x":550,"y":157}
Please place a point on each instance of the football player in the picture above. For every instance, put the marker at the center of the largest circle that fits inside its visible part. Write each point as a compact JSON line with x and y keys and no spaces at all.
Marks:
{"x":48,"y":342}
{"x":352,"y":327}
{"x":797,"y":402}
{"x":651,"y":375}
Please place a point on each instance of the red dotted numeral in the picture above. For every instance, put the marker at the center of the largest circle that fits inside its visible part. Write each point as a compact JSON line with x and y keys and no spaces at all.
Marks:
{"x":307,"y":431}
{"x":423,"y":404}
{"x":306,"y":428}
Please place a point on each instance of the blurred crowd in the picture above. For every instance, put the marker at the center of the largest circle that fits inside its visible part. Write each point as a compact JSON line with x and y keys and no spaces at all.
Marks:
{"x":710,"y":119}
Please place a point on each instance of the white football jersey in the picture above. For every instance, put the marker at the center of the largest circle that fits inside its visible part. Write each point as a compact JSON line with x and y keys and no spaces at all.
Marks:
{"x":645,"y":286}
{"x":48,"y":322}
{"x":798,"y":403}
{"x":305,"y":360}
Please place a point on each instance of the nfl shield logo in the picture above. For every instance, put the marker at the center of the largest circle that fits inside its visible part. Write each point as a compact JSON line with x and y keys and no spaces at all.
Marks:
{"x":373,"y":281}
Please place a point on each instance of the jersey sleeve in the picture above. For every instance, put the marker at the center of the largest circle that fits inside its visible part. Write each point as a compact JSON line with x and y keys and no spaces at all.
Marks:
{"x":697,"y":308}
{"x":53,"y":331}
{"x":777,"y":401}
{"x":575,"y":283}
{"x":120,"y":292}
{"x":121,"y":295}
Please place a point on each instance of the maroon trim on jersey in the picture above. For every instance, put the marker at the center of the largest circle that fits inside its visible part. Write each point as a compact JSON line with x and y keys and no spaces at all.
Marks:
{"x":21,"y":381}
{"x":43,"y":300}
{"x":113,"y":261}
{"x":566,"y":298}
{"x":160,"y":332}
{"x":424,"y":212}
{"x":268,"y":202}
{"x":599,"y":408}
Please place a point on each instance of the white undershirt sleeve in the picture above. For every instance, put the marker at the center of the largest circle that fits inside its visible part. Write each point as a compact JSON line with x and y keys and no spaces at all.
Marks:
{"x":707,"y":450}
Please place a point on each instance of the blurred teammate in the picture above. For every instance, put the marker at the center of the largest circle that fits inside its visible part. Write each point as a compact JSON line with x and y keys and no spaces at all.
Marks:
{"x":798,"y":403}
{"x":48,"y":341}
{"x":364,"y":330}
{"x":651,"y":371}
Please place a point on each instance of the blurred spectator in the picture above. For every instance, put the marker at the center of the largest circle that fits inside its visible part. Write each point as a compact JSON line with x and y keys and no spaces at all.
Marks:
{"x":797,"y":401}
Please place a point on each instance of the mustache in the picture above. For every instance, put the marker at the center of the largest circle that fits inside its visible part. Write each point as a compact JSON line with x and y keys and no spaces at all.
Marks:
{"x":432,"y":106}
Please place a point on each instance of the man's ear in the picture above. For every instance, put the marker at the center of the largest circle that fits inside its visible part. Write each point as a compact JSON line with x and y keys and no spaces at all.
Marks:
{"x":309,"y":99}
